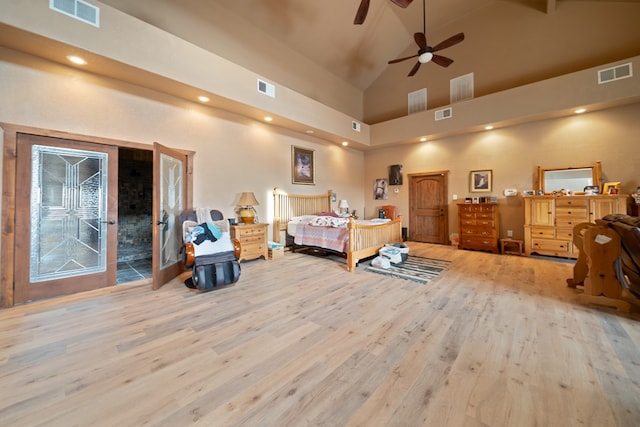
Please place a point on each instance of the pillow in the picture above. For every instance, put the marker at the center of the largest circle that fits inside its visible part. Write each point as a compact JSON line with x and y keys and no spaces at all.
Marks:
{"x":302,"y":218}
{"x":328,"y":221}
{"x":333,"y":214}
{"x":222,"y":224}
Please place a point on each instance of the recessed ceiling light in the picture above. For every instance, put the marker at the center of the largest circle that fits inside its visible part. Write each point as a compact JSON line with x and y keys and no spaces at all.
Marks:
{"x":203,"y":98}
{"x":423,"y":139}
{"x":76,"y":60}
{"x":310,"y":132}
{"x":345,"y":143}
{"x":268,"y":119}
{"x":580,"y":110}
{"x":489,"y":127}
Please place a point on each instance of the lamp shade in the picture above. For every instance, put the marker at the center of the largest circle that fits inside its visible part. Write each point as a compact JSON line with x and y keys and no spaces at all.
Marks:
{"x":343,"y":204}
{"x":248,"y":199}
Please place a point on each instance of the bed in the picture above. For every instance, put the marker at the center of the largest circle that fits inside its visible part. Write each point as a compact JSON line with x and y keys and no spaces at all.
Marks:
{"x":364,"y":238}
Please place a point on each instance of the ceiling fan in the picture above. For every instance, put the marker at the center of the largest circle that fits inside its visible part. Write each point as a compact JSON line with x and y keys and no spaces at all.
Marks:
{"x":364,"y":8}
{"x":425,"y":52}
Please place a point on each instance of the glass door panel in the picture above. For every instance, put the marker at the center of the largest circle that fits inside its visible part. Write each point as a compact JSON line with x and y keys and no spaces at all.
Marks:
{"x":68,"y":213}
{"x":169,"y":196}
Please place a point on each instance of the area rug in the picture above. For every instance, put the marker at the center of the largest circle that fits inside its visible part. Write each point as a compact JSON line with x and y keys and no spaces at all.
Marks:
{"x":418,"y":269}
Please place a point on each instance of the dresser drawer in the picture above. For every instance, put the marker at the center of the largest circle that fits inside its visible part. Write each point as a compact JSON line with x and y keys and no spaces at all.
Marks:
{"x":247,"y":240}
{"x":566,"y":202}
{"x":467,"y":222}
{"x":253,"y":249}
{"x":565,"y":234}
{"x":478,"y":231}
{"x":249,"y":232}
{"x":542,"y":232}
{"x":480,"y":243}
{"x":569,"y":222}
{"x":560,"y":246}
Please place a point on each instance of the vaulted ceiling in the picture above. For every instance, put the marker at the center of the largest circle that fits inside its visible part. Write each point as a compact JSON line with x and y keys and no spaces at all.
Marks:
{"x":320,"y":30}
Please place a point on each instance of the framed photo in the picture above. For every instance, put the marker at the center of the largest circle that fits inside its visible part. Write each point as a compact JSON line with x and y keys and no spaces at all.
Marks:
{"x":480,"y":181}
{"x":381,"y":189}
{"x":395,"y":175}
{"x":302,"y":166}
{"x":611,"y":187}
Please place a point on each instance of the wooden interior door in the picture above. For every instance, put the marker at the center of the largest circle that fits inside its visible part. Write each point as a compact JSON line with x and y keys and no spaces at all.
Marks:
{"x":169,"y":198}
{"x":66,"y":217}
{"x":428,"y":210}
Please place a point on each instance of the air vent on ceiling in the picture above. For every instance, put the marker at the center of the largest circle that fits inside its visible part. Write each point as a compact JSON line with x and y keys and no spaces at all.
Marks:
{"x":445,"y":113}
{"x":417,"y":101}
{"x":77,"y":9}
{"x":615,"y":73}
{"x":266,"y":88}
{"x":355,"y":126}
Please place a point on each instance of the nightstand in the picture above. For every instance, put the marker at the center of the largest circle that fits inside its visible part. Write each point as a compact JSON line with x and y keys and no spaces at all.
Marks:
{"x":253,"y":240}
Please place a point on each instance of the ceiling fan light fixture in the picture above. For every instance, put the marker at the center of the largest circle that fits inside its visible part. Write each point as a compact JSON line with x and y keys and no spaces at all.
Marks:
{"x":425,"y":57}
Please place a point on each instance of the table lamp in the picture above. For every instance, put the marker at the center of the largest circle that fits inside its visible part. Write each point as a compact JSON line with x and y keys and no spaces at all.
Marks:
{"x":246,"y":203}
{"x":344,"y":207}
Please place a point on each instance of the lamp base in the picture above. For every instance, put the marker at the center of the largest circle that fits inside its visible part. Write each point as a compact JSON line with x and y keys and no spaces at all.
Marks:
{"x":247,"y":216}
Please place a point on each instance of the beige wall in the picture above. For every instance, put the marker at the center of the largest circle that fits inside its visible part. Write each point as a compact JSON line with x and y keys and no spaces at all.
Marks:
{"x":233,"y":153}
{"x":513,"y":153}
{"x":510,"y":44}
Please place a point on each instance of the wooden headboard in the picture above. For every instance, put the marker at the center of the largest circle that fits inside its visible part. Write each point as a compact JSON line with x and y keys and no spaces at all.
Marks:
{"x":287,"y":206}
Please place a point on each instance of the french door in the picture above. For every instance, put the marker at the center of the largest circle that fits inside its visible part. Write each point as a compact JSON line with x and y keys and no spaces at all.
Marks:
{"x":169,"y":196}
{"x":66,"y":216}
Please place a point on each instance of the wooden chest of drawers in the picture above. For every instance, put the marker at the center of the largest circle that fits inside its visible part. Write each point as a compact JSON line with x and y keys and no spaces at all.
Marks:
{"x":549,"y":220}
{"x":478,"y":225}
{"x":253,"y":240}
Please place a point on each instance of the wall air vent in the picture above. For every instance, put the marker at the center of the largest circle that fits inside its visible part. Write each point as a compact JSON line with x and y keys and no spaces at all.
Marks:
{"x":461,"y":88}
{"x":355,"y":126}
{"x":445,"y":113}
{"x":615,"y":73}
{"x":77,"y":9}
{"x":266,"y":88}
{"x":417,"y":101}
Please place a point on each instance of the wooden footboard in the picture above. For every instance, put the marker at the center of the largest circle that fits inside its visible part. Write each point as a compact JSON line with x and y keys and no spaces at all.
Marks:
{"x":366,"y":240}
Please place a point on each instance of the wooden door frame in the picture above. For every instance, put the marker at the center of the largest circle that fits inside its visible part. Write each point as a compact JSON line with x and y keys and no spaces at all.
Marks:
{"x":9,"y":171}
{"x":445,"y":173}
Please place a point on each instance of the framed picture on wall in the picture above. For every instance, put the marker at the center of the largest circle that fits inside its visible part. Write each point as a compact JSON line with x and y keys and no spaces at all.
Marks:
{"x":381,"y":189}
{"x":480,"y":181}
{"x":395,"y":175}
{"x":302,"y":166}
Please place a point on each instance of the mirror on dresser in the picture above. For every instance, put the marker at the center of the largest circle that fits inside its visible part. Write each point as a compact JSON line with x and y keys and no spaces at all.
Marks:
{"x":573,"y":179}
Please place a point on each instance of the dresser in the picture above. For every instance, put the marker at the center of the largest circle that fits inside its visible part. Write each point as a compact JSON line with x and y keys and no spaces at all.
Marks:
{"x":478,"y":225}
{"x":253,"y":240}
{"x":549,"y":220}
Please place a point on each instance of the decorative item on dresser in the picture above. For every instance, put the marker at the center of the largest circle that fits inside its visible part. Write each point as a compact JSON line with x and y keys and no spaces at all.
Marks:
{"x":549,"y":220}
{"x":478,"y":225}
{"x":253,"y":240}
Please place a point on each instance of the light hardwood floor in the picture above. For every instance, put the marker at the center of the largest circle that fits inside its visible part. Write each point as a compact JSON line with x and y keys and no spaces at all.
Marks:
{"x":495,"y":340}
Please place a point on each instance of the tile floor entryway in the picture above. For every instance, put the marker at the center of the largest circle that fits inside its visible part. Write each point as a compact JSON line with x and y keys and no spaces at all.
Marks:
{"x":131,"y":270}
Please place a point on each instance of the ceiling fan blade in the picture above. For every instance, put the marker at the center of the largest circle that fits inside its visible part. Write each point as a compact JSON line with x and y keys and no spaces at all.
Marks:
{"x":453,"y":40}
{"x":421,"y":40}
{"x":361,"y":14}
{"x":402,"y":3}
{"x":415,"y":68}
{"x":395,"y":61}
{"x":442,"y":60}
